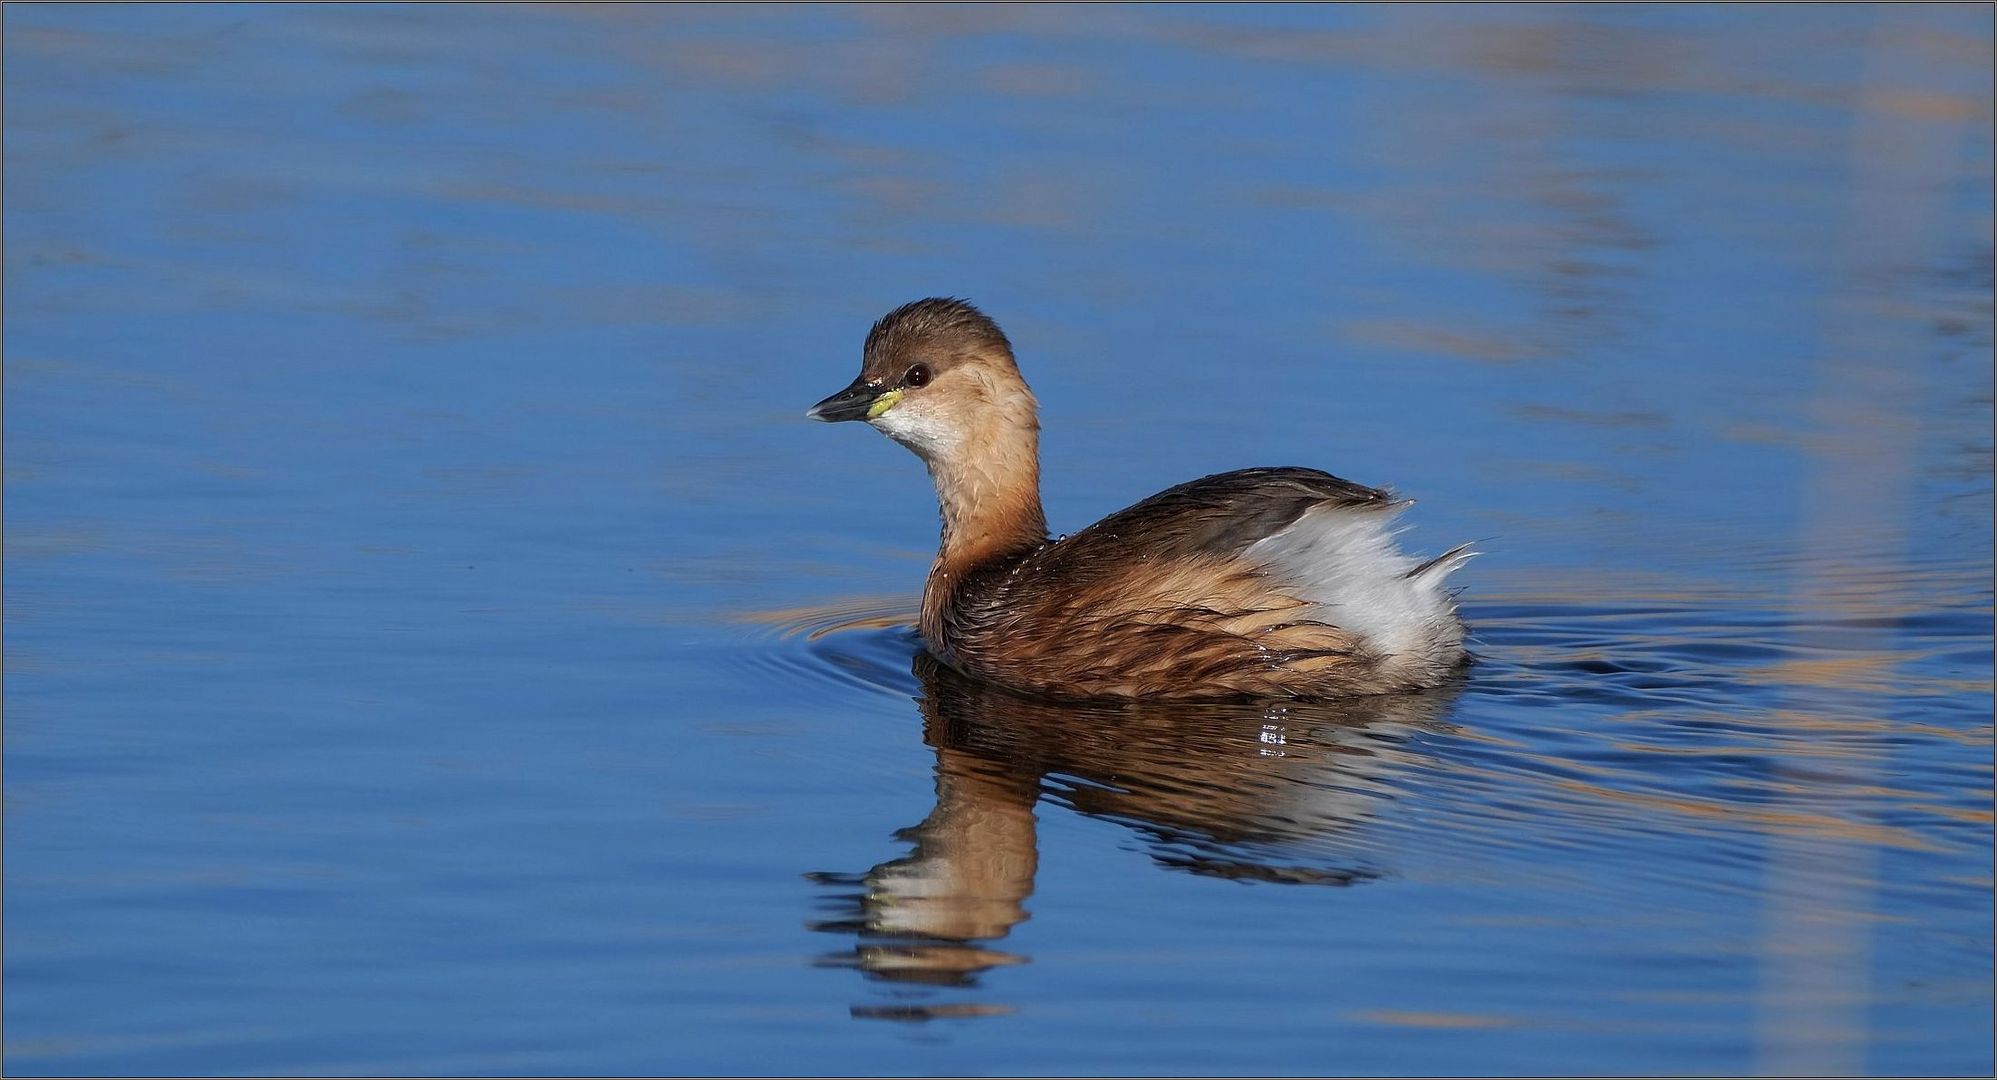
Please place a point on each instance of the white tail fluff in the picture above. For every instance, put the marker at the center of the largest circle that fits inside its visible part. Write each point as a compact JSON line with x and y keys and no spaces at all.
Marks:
{"x":1345,"y":562}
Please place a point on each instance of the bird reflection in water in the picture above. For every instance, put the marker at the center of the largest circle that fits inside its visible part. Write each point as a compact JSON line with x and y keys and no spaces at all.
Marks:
{"x":1252,"y":791}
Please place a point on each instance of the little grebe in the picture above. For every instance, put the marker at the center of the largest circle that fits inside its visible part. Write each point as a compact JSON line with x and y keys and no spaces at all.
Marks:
{"x":1261,"y":582}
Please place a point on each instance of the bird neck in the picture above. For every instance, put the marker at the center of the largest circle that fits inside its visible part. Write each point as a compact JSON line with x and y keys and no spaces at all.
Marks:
{"x":989,"y":494}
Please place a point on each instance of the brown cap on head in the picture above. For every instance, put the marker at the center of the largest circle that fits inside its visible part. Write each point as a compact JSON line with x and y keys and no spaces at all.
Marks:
{"x":939,"y":331}
{"x":939,"y":339}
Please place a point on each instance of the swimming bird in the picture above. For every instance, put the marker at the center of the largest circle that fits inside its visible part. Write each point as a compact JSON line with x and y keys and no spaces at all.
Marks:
{"x":1264,"y":582}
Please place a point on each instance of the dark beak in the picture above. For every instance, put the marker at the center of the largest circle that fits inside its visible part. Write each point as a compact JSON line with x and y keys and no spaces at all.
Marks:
{"x":848,"y":404}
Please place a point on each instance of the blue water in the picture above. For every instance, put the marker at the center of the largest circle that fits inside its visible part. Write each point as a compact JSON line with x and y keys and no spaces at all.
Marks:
{"x":436,"y":644}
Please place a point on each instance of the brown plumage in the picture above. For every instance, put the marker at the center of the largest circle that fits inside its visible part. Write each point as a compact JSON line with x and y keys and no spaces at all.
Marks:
{"x":1260,"y":582}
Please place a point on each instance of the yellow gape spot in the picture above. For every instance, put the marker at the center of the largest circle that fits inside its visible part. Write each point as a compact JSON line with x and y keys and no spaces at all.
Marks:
{"x":883,"y":404}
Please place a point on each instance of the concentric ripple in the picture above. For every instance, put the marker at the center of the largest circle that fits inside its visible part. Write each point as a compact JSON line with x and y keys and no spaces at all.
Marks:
{"x":1697,"y":721}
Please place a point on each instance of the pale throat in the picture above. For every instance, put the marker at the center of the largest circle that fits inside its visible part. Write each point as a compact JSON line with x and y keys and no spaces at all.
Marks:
{"x":988,"y":487}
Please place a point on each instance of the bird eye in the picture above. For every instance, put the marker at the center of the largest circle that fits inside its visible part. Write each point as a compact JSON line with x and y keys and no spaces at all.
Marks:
{"x":917,"y":377}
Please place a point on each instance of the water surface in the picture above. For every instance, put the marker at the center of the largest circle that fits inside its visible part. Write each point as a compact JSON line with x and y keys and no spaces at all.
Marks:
{"x":435,"y":644}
